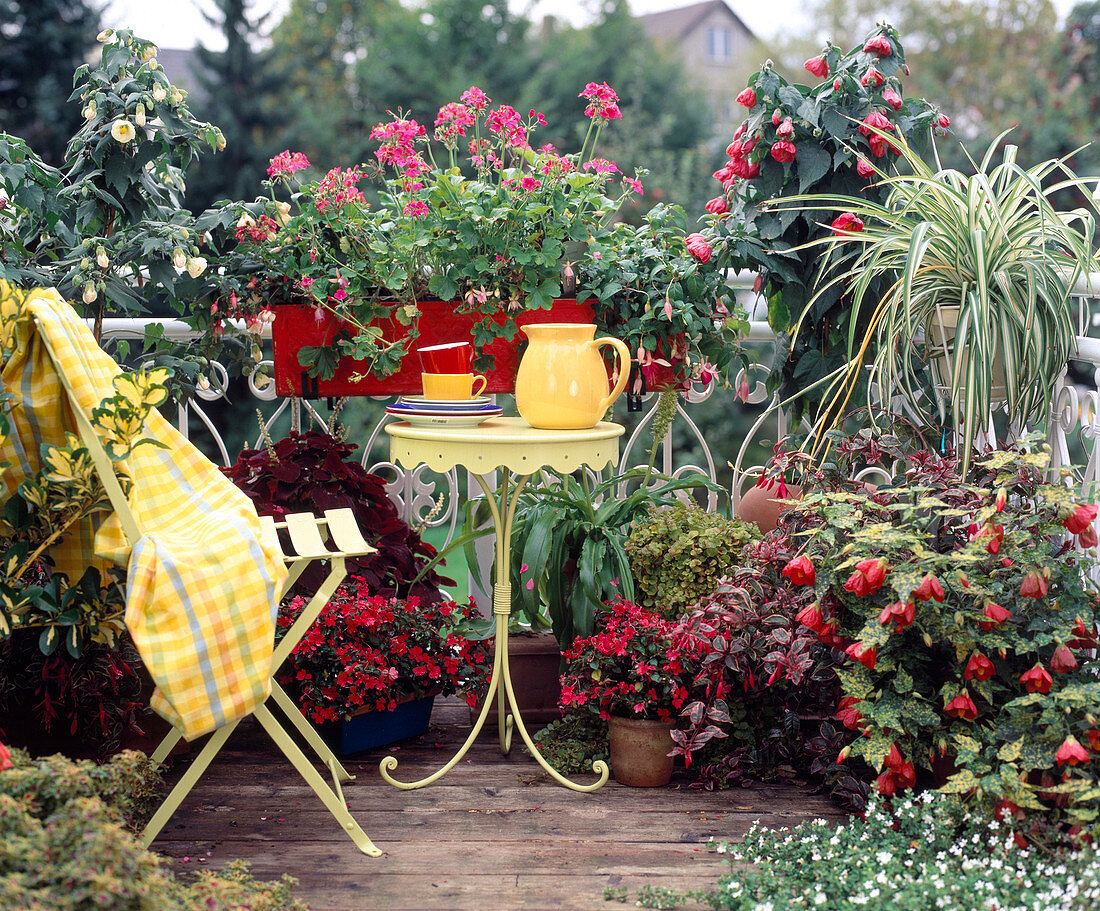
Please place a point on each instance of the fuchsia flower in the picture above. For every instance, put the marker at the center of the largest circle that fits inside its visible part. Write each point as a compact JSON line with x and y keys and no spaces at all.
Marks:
{"x":747,"y":97}
{"x":698,"y":247}
{"x":801,"y":571}
{"x":1071,"y":752}
{"x":818,"y":66}
{"x":783,"y":150}
{"x":847,"y":223}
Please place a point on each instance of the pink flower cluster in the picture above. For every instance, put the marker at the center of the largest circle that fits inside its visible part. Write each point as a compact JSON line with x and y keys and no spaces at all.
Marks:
{"x":338,"y":188}
{"x":286,"y":163}
{"x":506,"y":123}
{"x":603,"y":103}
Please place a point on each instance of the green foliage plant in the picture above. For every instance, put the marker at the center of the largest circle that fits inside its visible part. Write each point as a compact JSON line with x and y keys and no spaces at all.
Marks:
{"x":902,"y":855}
{"x":673,"y":310}
{"x":68,"y":844}
{"x":799,"y":139}
{"x":677,"y":556}
{"x":992,"y":249}
{"x":572,"y":743}
{"x":568,"y":544}
{"x":966,"y":616}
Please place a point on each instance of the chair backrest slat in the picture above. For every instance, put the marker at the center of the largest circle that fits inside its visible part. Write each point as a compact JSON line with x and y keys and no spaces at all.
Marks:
{"x":345,"y":533}
{"x":305,"y":537}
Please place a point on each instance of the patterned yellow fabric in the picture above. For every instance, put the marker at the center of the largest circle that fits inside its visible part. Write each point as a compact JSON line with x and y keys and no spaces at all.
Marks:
{"x":201,"y":590}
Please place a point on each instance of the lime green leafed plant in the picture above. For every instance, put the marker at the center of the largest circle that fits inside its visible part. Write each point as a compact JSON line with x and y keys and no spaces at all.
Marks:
{"x":991,"y":247}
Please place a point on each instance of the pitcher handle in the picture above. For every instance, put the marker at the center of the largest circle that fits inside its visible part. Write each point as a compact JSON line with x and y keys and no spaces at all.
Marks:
{"x":624,"y":371}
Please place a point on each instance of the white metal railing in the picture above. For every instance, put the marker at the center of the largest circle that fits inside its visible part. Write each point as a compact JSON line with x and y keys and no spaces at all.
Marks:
{"x":1075,"y":418}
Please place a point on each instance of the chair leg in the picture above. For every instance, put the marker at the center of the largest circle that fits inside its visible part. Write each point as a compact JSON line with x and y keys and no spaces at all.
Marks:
{"x":309,"y":733}
{"x":186,"y":783}
{"x":330,"y":798}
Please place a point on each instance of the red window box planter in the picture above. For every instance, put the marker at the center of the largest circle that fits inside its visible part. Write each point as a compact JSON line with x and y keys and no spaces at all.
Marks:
{"x":296,"y":327}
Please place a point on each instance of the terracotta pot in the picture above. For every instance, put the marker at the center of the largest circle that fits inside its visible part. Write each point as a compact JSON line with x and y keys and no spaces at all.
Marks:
{"x":763,"y":507}
{"x":534,"y":662}
{"x":639,"y":751}
{"x":296,"y":327}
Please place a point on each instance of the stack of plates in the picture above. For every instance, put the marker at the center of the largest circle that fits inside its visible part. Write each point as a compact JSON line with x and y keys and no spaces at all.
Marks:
{"x":454,"y":413}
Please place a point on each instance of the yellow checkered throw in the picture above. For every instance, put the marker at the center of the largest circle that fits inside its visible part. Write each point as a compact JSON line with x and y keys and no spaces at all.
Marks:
{"x":201,"y":590}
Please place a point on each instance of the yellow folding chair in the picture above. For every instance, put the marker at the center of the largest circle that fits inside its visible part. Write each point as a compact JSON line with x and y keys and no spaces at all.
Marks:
{"x":307,"y":535}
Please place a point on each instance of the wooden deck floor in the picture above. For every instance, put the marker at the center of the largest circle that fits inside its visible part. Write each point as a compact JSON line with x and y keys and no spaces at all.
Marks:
{"x":490,"y":834}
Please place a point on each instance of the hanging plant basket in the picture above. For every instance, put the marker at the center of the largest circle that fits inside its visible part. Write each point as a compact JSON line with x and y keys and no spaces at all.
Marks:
{"x":296,"y":326}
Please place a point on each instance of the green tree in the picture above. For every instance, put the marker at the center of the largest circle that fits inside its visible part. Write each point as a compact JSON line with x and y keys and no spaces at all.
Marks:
{"x":238,"y":90}
{"x":41,"y":43}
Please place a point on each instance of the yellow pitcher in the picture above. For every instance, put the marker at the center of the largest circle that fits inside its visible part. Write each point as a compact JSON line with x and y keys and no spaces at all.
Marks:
{"x":562,"y":381}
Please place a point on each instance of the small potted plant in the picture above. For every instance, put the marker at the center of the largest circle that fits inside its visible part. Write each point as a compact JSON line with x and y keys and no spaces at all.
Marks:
{"x":636,"y":673}
{"x":488,"y":243}
{"x":368,"y":670}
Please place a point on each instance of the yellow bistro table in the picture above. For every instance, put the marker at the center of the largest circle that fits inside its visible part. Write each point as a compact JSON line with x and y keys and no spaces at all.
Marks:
{"x":519,"y":451}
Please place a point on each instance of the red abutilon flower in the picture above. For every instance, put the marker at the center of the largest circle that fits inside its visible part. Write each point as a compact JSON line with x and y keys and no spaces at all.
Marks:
{"x":892,"y":98}
{"x":1093,"y":735}
{"x":718,"y":206}
{"x":1000,"y":500}
{"x":867,"y":577}
{"x":879,"y":45}
{"x":1071,"y":752}
{"x":865,"y":656}
{"x":1063,"y":660}
{"x":1080,"y":519}
{"x":811,"y":617}
{"x":962,"y":706}
{"x":818,"y":66}
{"x":979,"y":667}
{"x":929,"y":590}
{"x":864,"y":168}
{"x":1034,"y":585}
{"x":800,"y":571}
{"x":900,"y":612}
{"x":847,"y":223}
{"x":783,"y":150}
{"x":872,"y":78}
{"x":747,"y":97}
{"x":1089,"y":537}
{"x":785,"y":130}
{"x":886,"y":785}
{"x":996,"y":614}
{"x":1084,"y":638}
{"x":5,"y":758}
{"x":848,"y":715}
{"x":876,"y":120}
{"x":943,"y":121}
{"x":836,"y":84}
{"x":1037,"y":680}
{"x":777,"y":117}
{"x":698,"y":247}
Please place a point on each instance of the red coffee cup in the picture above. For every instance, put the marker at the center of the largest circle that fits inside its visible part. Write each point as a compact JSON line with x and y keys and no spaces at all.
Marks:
{"x":452,"y":357}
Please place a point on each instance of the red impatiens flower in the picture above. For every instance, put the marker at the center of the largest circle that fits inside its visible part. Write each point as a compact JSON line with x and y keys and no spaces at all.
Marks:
{"x":747,"y":98}
{"x":900,"y":612}
{"x":847,"y":223}
{"x":1034,"y":585}
{"x":818,"y":66}
{"x":865,"y":656}
{"x":867,"y":578}
{"x":929,"y":590}
{"x":879,"y":46}
{"x":978,"y":667}
{"x":996,"y":614}
{"x":800,"y":571}
{"x":783,"y":150}
{"x":1063,"y":660}
{"x":1037,"y":680}
{"x":1080,"y":519}
{"x":962,"y":706}
{"x":1071,"y":752}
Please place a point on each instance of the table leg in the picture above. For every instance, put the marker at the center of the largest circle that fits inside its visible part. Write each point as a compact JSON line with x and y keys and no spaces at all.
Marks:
{"x":500,"y":684}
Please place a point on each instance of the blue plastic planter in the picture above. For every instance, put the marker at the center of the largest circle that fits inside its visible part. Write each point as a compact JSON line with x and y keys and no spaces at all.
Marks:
{"x":378,"y":729}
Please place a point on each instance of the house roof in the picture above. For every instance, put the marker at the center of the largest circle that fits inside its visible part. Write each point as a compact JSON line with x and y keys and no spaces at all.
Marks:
{"x":678,"y":23}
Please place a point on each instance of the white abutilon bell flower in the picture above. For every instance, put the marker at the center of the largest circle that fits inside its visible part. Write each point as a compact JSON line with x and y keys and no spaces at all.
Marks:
{"x":101,"y":257}
{"x":159,"y":92}
{"x":139,"y":115}
{"x":179,"y":258}
{"x":90,"y":293}
{"x":196,"y":265}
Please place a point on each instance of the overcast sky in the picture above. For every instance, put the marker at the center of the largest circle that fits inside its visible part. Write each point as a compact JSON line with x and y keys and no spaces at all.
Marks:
{"x":179,"y":23}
